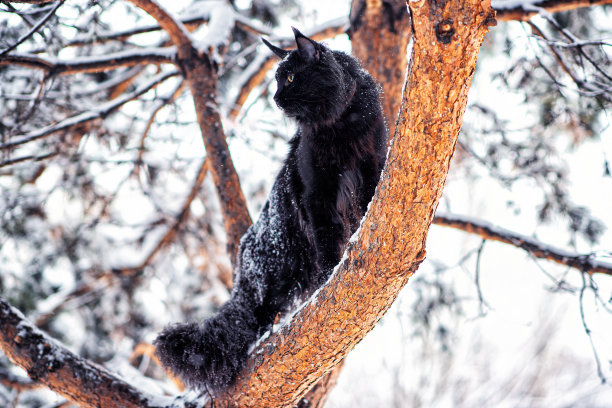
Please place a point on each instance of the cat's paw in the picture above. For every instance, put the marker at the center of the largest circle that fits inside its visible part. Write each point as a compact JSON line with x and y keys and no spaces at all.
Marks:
{"x":205,"y":356}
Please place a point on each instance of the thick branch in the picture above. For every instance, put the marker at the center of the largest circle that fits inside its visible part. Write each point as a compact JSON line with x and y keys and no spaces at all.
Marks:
{"x":202,"y":80}
{"x":391,"y":242}
{"x":201,"y":74}
{"x":65,"y":373}
{"x":376,"y":26}
{"x":175,"y":29}
{"x":584,"y":263}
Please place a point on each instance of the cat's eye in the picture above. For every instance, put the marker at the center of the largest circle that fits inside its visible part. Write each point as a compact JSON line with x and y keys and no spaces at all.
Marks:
{"x":290,"y":77}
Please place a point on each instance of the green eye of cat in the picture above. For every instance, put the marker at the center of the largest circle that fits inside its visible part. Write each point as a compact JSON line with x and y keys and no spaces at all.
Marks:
{"x":290,"y":77}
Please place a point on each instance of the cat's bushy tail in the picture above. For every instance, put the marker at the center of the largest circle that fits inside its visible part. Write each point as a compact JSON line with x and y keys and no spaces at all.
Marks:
{"x":208,"y":355}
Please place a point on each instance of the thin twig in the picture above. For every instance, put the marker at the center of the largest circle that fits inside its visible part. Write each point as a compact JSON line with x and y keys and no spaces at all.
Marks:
{"x":172,"y":231}
{"x":34,"y":29}
{"x":481,"y":301}
{"x":87,"y":116}
{"x":163,"y":101}
{"x":587,"y":330}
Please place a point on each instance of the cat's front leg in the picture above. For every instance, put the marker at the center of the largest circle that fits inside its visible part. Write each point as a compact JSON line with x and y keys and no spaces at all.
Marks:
{"x":328,"y":233}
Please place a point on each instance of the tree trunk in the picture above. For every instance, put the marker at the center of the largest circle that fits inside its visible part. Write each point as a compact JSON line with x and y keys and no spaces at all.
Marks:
{"x":391,"y":242}
{"x":380,"y":32}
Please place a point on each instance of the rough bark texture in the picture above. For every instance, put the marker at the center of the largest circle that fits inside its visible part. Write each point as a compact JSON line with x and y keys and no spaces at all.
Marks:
{"x":201,"y":74}
{"x":62,"y":371}
{"x":391,"y":242}
{"x":380,"y":32}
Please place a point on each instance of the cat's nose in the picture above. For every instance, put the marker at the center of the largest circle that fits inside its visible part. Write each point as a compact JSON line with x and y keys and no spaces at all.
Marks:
{"x":277,"y":97}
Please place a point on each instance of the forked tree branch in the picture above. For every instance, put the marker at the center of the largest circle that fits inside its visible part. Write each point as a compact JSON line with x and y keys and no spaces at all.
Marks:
{"x":200,"y":71}
{"x":390,"y":244}
{"x":584,"y":263}
{"x":378,"y":263}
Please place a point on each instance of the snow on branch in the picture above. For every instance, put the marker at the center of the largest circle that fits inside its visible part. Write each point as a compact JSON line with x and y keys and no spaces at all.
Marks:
{"x":585,"y":263}
{"x":34,"y":29}
{"x":90,"y":64}
{"x":102,"y":111}
{"x":175,"y":29}
{"x":30,"y":1}
{"x":51,"y":364}
{"x":523,"y":10}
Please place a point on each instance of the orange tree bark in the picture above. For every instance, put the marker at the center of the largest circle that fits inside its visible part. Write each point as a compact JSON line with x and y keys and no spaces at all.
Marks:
{"x":62,"y":371}
{"x":379,"y":32}
{"x":391,"y":241}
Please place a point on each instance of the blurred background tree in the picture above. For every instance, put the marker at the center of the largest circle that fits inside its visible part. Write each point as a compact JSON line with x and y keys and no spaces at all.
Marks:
{"x":111,"y":226}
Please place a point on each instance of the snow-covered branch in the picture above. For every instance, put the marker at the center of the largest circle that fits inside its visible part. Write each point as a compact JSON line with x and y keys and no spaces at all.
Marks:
{"x":34,"y":29}
{"x":53,"y":365}
{"x":175,"y":29}
{"x":102,"y":111}
{"x":92,"y":63}
{"x":523,"y":10}
{"x":582,"y":262}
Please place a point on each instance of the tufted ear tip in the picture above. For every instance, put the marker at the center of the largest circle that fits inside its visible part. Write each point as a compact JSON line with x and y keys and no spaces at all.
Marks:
{"x":276,"y":50}
{"x":297,"y":33}
{"x":308,"y":48}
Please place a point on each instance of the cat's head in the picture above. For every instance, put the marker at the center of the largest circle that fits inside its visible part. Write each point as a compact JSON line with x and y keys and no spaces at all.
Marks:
{"x":312,"y":85}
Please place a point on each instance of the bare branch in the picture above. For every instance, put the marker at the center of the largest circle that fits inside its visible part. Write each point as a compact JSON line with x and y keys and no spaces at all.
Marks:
{"x":34,"y":158}
{"x":584,"y":263}
{"x":587,"y":330}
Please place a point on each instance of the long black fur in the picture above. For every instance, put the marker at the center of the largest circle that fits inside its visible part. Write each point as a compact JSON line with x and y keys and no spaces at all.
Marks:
{"x":316,"y":203}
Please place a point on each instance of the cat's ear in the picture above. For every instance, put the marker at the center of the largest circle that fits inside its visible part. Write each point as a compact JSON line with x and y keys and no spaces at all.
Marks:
{"x":308,"y":49}
{"x":276,"y":50}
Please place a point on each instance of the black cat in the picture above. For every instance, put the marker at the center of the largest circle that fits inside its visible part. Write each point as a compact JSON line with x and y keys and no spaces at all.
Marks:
{"x":316,"y":203}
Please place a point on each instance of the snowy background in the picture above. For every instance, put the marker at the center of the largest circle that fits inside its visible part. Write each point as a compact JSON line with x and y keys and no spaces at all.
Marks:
{"x":480,"y":324}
